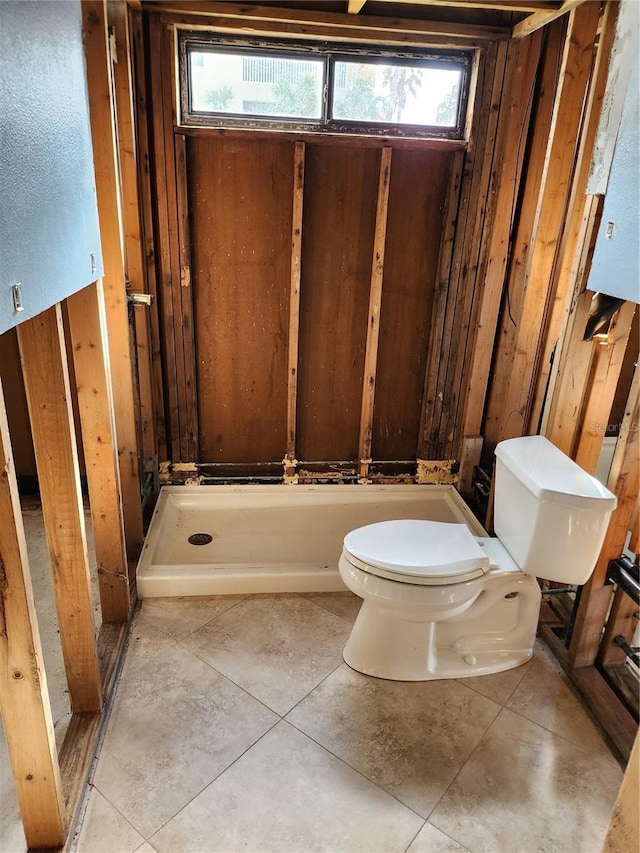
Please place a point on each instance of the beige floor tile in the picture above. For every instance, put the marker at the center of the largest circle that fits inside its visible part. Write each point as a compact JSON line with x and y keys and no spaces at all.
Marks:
{"x":104,"y":830}
{"x":498,"y":686}
{"x":526,"y":790}
{"x":176,"y":724}
{"x":277,"y":647}
{"x":146,"y":848}
{"x":344,"y":604}
{"x":411,"y":738}
{"x":544,"y":696}
{"x":288,"y":794}
{"x":431,"y":840}
{"x":162,"y":621}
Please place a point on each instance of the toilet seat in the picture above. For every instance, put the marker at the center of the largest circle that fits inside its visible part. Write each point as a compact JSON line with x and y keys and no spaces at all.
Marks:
{"x":414,"y":551}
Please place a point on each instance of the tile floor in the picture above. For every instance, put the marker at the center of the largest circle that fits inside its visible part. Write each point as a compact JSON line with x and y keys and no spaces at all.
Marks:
{"x":237,"y":727}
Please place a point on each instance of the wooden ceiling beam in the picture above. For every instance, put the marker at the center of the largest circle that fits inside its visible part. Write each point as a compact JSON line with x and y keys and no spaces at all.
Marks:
{"x":252,"y":20}
{"x":542,"y":18}
{"x":550,"y":6}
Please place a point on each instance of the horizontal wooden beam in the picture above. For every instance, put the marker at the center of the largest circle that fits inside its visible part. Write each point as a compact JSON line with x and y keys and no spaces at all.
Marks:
{"x":24,"y":699}
{"x":542,"y":18}
{"x":252,"y":20}
{"x":489,"y":5}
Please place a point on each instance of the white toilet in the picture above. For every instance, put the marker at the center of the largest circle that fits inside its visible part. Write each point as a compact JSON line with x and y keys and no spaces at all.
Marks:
{"x":439,"y":602}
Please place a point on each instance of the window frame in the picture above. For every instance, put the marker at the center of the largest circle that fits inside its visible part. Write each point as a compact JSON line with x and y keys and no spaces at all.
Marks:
{"x":197,"y":40}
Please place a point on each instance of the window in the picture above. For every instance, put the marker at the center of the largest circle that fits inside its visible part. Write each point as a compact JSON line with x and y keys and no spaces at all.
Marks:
{"x":285,"y":86}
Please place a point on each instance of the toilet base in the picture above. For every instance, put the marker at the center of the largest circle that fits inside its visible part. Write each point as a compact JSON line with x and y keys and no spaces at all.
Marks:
{"x":383,"y":644}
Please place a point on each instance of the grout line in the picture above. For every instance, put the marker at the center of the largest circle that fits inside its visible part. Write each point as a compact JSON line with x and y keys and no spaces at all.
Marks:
{"x":326,"y":609}
{"x":215,"y":778}
{"x":355,"y":769}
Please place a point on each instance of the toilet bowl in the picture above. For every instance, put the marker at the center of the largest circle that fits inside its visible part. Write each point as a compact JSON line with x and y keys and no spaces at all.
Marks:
{"x":439,"y":602}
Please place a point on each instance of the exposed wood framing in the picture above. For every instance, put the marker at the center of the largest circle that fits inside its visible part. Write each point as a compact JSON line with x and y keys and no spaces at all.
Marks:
{"x":142,"y":127}
{"x":542,"y":95}
{"x":354,"y":6}
{"x":522,"y":64}
{"x":24,"y":698}
{"x":542,"y":18}
{"x":105,"y":157}
{"x":624,"y":480}
{"x":184,"y":308}
{"x":172,"y":257}
{"x":624,"y":830}
{"x":290,"y":461}
{"x":489,"y":5}
{"x":452,"y":338}
{"x":607,"y":366}
{"x":87,"y":323}
{"x":46,"y":378}
{"x":288,"y":21}
{"x":136,"y":268}
{"x":373,"y":325}
{"x":430,"y":399}
{"x":581,"y":219}
{"x":549,"y":219}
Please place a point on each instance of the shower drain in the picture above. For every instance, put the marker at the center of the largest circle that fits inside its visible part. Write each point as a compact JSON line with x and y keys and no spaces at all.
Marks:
{"x":200,"y":538}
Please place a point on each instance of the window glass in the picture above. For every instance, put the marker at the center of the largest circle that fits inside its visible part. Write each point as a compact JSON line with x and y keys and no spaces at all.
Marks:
{"x":347,"y":90}
{"x":255,"y":85}
{"x":396,"y":94}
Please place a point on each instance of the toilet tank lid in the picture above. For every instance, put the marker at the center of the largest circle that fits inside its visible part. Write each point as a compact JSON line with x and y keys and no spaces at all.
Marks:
{"x":551,"y":476}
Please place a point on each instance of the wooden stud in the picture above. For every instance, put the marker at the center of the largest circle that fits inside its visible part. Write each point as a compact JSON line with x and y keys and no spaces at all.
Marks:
{"x":523,"y":60}
{"x":118,"y":17}
{"x":24,"y":699}
{"x":582,"y":219}
{"x":566,"y":402}
{"x":373,"y":326}
{"x":474,"y":259}
{"x":185,"y":329}
{"x":440,"y":439}
{"x":87,"y":322}
{"x":147,"y":214}
{"x":354,"y":6}
{"x":609,"y":358}
{"x":46,"y":378}
{"x":290,"y":461}
{"x":430,"y":395}
{"x":549,"y":219}
{"x":542,"y":18}
{"x":624,"y":480}
{"x":542,"y":93}
{"x":105,"y":157}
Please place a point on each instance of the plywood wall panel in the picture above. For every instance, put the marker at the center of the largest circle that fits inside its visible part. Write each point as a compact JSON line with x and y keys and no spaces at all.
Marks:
{"x":339,"y":219}
{"x":417,"y":198}
{"x":240,"y":204}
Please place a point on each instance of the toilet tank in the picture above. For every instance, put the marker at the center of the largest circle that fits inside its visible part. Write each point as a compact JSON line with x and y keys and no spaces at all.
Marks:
{"x":550,"y":515}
